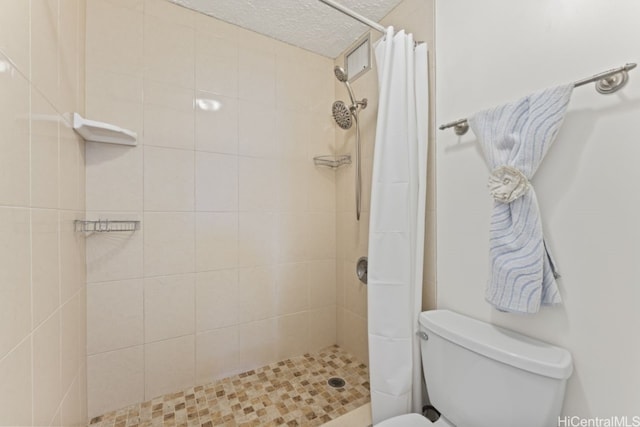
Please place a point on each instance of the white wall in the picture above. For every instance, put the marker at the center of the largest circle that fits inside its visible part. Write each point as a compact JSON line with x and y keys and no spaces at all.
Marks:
{"x":494,"y":51}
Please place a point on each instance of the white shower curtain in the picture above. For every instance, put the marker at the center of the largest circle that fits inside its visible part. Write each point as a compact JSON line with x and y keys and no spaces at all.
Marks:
{"x":396,"y":231}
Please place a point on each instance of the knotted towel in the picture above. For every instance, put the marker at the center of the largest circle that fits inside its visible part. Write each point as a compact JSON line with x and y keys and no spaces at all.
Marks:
{"x":515,"y":138}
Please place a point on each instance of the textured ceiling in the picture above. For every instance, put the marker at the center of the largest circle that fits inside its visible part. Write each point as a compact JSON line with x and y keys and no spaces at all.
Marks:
{"x":309,"y":24}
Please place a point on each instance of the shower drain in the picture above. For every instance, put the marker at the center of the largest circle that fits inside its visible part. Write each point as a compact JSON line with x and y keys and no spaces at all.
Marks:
{"x":336,"y":382}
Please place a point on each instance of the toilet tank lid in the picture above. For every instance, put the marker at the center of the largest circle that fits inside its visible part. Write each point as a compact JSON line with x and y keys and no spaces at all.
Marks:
{"x":501,"y":344}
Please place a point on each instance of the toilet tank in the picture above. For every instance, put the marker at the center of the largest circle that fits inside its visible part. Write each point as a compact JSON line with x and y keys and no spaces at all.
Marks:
{"x":481,"y":375}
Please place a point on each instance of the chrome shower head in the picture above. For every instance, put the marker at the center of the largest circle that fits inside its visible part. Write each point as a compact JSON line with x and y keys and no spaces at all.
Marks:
{"x":342,"y":114}
{"x":340,"y":73}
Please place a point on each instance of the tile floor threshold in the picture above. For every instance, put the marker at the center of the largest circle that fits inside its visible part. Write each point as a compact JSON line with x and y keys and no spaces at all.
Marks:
{"x":292,"y":392}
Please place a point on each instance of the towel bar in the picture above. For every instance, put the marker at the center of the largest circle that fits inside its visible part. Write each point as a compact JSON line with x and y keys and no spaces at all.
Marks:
{"x":607,"y":82}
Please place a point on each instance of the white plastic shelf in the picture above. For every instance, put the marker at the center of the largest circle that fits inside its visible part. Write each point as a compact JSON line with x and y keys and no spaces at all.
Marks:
{"x":92,"y":130}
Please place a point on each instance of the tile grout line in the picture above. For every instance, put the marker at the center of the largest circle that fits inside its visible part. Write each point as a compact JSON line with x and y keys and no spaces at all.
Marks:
{"x":144,"y":235}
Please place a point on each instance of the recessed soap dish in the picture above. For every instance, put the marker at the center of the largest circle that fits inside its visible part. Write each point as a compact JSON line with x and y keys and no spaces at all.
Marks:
{"x":332,"y":161}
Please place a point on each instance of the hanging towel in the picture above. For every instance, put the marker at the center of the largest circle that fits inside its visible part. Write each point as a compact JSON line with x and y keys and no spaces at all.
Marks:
{"x":515,"y":138}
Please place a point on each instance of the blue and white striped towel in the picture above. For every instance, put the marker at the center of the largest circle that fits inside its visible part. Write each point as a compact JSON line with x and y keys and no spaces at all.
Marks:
{"x":515,"y":138}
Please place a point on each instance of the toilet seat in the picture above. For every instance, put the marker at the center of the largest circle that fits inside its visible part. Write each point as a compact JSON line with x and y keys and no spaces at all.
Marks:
{"x":413,"y":420}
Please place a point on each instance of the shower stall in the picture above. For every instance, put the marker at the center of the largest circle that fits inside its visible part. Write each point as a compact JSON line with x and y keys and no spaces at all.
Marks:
{"x":210,"y":253}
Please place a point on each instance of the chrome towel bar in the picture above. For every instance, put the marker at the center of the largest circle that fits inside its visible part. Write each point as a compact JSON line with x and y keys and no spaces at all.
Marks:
{"x":607,"y":82}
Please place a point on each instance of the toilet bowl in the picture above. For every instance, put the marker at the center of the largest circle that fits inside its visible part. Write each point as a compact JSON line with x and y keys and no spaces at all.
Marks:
{"x":481,"y":375}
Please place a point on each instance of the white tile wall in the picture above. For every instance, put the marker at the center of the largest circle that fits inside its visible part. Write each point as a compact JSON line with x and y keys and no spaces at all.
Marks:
{"x":258,"y":185}
{"x":72,"y":343}
{"x":46,"y":370}
{"x":292,"y":335}
{"x":169,"y":365}
{"x":216,"y":182}
{"x":168,"y":50}
{"x":292,"y":288}
{"x":169,"y":243}
{"x":257,"y":243}
{"x":117,"y":256}
{"x":72,"y":256}
{"x":257,"y":342}
{"x":114,"y":38}
{"x":168,"y":179}
{"x":258,"y":87}
{"x":42,"y":186}
{"x":219,"y":276}
{"x":257,"y":129}
{"x":14,"y":276}
{"x":216,"y":64}
{"x":292,"y":184}
{"x":323,"y":327}
{"x":44,"y":147}
{"x":14,"y":33}
{"x":16,"y":387}
{"x":292,"y":238}
{"x":217,"y":299}
{"x":115,"y":98}
{"x":257,"y":297}
{"x":116,"y":175}
{"x":114,"y":315}
{"x":321,"y":273}
{"x":45,"y":272}
{"x":168,"y":116}
{"x":216,"y":128}
{"x":216,"y":240}
{"x":115,"y":378}
{"x":216,"y":354}
{"x":45,"y":48}
{"x":169,"y":309}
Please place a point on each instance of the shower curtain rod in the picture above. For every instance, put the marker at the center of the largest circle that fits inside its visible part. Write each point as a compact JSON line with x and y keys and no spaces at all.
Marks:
{"x":354,"y":15}
{"x":606,"y":82}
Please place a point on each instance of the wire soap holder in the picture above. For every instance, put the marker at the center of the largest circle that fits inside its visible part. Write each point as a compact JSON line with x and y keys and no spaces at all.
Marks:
{"x":332,"y":161}
{"x":105,"y":226}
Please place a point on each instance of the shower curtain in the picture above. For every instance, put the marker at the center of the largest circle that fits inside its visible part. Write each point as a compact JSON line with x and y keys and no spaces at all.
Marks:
{"x":396,"y":231}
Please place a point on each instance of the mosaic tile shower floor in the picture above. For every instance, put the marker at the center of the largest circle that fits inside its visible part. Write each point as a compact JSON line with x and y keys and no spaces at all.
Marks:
{"x":293,"y":392}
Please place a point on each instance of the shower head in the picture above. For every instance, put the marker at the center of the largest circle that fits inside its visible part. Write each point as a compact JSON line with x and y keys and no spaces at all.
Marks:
{"x":340,"y":73}
{"x":342,"y":114}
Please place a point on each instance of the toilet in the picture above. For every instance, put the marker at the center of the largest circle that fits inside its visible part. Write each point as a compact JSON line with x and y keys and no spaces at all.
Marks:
{"x":481,"y":375}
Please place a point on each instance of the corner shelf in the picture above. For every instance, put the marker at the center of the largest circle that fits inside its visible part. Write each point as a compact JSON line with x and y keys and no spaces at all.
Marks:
{"x":333,"y":162}
{"x":94,"y":131}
